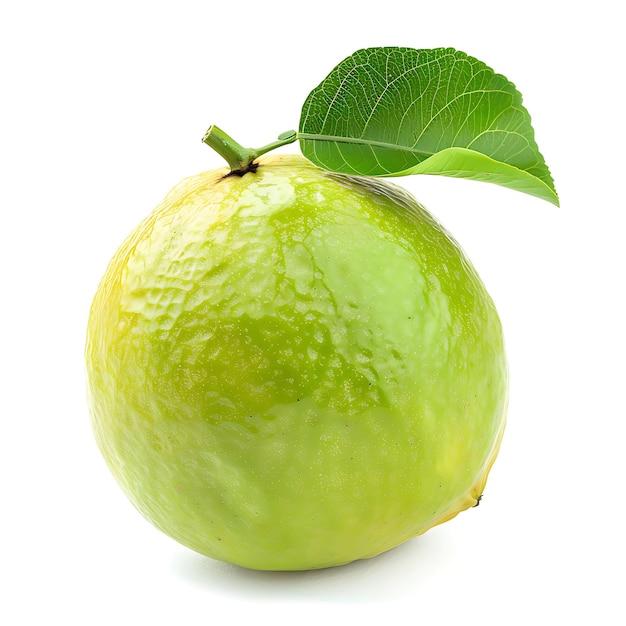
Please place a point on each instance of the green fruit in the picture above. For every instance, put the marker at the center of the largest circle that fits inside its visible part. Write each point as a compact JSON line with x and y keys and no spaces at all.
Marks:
{"x":294,"y":369}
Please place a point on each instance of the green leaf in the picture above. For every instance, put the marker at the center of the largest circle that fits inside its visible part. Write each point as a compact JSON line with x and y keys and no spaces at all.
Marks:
{"x":399,"y":111}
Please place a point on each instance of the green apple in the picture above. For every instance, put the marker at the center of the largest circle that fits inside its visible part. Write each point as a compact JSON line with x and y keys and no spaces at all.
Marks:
{"x":294,"y":369}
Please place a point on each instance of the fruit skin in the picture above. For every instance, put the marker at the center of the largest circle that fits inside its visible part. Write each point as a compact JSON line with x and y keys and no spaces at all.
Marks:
{"x":294,"y":369}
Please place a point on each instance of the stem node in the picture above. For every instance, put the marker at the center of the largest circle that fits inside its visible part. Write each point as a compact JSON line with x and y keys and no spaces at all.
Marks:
{"x":240,"y":159}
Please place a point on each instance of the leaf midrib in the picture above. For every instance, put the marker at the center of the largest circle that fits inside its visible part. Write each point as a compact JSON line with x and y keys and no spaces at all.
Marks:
{"x":366,"y":142}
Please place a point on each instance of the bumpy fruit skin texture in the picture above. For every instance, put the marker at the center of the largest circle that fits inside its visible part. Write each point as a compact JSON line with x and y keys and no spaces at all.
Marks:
{"x":295,"y":369}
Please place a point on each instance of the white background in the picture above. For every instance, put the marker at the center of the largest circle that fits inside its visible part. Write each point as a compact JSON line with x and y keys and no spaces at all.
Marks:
{"x":103,"y":107}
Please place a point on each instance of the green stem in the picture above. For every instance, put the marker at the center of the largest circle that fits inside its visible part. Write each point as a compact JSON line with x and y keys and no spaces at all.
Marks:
{"x":240,"y":159}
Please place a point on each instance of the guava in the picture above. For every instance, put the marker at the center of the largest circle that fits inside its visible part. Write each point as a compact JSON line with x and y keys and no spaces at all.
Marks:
{"x":293,"y":369}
